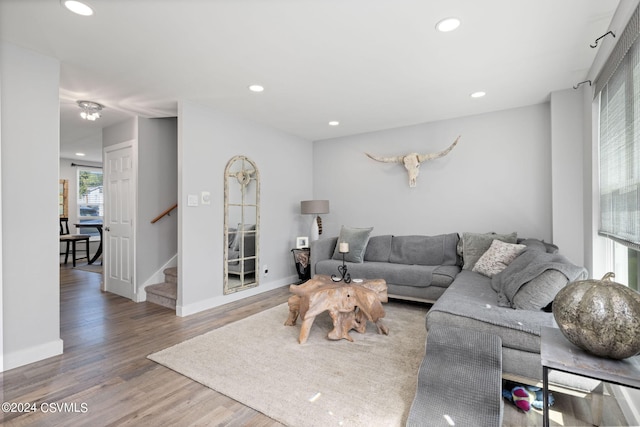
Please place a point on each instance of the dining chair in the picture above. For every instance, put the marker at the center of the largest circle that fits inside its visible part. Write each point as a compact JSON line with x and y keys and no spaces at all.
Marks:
{"x":71,"y":240}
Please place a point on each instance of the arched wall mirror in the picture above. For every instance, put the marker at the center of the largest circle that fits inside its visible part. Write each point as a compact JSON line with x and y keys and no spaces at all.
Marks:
{"x":241,"y":224}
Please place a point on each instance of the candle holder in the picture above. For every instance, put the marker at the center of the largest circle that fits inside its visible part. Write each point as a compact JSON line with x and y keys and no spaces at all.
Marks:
{"x":344,"y":275}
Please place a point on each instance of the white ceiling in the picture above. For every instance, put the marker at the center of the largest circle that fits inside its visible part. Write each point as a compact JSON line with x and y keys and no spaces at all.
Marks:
{"x":371,"y":64}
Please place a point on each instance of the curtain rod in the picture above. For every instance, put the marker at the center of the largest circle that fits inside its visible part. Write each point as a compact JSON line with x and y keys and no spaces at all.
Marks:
{"x":86,"y":166}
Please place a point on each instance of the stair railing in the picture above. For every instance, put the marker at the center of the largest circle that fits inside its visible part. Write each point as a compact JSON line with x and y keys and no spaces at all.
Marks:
{"x":164,"y":213}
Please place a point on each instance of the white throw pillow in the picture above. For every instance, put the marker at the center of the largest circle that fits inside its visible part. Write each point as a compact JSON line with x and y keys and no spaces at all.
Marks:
{"x":497,"y":257}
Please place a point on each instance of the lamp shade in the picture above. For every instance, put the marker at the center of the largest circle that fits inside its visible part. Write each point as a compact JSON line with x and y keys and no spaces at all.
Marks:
{"x":314,"y":207}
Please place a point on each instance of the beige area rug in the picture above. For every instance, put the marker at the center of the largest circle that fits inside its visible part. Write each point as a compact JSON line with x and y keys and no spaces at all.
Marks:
{"x":258,"y":362}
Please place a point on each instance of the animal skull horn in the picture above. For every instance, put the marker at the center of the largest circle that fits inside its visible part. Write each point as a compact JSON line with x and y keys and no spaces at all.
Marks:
{"x":412,"y":161}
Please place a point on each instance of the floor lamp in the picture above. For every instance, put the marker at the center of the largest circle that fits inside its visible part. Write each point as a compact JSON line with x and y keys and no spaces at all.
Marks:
{"x":315,"y":207}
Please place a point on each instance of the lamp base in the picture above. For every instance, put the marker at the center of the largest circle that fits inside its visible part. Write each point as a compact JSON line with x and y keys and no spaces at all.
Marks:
{"x":315,"y":230}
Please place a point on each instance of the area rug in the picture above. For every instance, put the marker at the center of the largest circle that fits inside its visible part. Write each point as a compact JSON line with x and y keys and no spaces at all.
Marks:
{"x":258,"y":362}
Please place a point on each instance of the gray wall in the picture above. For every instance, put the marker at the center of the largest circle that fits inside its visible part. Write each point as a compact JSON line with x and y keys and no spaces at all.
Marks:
{"x":156,"y":142}
{"x":498,"y":177}
{"x":157,"y":190}
{"x":30,"y":145}
{"x":207,"y":141}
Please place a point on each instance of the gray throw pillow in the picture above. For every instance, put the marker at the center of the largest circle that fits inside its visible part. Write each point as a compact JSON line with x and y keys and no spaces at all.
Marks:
{"x":539,"y":292}
{"x":378,"y":248}
{"x":474,"y":245}
{"x":541,"y":245}
{"x":357,"y":238}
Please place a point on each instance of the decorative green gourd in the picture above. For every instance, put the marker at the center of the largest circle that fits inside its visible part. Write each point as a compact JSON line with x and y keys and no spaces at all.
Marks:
{"x":600,"y":316}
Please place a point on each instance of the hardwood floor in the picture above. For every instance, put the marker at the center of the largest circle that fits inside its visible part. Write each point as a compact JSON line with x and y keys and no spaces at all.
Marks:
{"x":105,"y":379}
{"x":104,"y":371}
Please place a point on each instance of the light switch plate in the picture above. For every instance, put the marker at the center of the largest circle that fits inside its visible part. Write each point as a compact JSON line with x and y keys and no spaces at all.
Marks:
{"x":205,"y":198}
{"x":192,"y":200}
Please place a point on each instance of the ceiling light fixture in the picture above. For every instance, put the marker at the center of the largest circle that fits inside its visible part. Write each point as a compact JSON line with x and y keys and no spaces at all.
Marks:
{"x":478,"y":94}
{"x":447,"y":24}
{"x":80,"y":154}
{"x":334,"y":123}
{"x":90,"y":110}
{"x":78,"y":7}
{"x":256,"y":88}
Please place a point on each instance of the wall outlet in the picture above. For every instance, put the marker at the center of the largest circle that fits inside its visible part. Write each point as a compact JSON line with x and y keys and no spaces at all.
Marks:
{"x":265,"y":270}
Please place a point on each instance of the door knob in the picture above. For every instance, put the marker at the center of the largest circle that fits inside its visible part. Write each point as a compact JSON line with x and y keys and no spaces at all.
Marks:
{"x":107,"y":229}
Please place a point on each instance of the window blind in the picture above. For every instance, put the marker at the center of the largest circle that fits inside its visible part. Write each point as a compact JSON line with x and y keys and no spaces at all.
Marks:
{"x":619,"y":142}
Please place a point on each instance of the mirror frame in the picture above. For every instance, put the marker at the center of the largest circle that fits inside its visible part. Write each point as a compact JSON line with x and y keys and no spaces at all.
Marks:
{"x":244,"y":180}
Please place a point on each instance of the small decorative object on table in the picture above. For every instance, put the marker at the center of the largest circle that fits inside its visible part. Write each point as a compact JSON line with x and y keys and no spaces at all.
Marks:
{"x":345,"y":277}
{"x":302,"y":242}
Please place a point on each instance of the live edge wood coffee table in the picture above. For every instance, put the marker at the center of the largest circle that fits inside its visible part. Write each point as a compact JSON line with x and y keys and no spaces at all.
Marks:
{"x":350,"y":305}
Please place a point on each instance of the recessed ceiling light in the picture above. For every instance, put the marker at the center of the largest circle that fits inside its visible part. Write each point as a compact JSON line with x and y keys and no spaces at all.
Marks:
{"x":448,"y":24}
{"x":478,"y":94}
{"x":78,"y":7}
{"x":256,"y":88}
{"x":334,"y":123}
{"x":80,"y":154}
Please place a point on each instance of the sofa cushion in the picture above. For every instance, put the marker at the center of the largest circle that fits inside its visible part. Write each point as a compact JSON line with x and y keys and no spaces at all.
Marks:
{"x":539,"y":292}
{"x":378,"y":248}
{"x":471,"y":303}
{"x":528,"y":266}
{"x":474,"y":245}
{"x":357,"y":238}
{"x":497,"y":257}
{"x":424,"y":250}
{"x":418,"y":276}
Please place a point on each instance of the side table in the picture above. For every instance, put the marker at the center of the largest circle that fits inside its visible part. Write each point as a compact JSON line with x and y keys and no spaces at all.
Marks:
{"x":560,"y":354}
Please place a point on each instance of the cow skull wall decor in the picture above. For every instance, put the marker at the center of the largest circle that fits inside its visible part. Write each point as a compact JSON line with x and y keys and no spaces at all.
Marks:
{"x":412,"y":161}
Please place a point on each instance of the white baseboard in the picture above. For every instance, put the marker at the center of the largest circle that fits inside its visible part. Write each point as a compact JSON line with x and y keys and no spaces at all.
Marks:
{"x":629,"y":402}
{"x":32,"y":354}
{"x":157,"y":277}
{"x":186,"y":310}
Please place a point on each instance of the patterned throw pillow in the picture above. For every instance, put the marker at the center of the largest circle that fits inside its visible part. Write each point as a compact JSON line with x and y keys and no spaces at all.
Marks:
{"x":476,"y":244}
{"x":497,"y":257}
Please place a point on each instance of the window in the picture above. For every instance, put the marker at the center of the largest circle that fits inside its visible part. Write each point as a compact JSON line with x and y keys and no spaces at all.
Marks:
{"x":618,"y":87}
{"x":90,"y":197}
{"x":620,"y":142}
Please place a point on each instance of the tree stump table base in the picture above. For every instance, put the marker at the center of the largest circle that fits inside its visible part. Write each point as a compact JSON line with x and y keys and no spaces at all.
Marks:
{"x":350,"y":305}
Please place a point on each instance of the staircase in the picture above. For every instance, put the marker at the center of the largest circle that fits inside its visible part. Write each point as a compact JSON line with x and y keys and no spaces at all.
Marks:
{"x":166,"y":293}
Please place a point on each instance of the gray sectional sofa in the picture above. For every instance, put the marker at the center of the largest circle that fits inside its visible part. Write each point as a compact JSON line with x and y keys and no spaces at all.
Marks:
{"x":512,"y":303}
{"x":414,"y":267}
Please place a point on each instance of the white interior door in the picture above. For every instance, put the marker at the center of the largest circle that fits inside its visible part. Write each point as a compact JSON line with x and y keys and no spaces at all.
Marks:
{"x":119,"y":242}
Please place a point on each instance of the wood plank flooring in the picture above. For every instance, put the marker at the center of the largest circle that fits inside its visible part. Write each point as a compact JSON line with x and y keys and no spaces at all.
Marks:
{"x":105,"y":379}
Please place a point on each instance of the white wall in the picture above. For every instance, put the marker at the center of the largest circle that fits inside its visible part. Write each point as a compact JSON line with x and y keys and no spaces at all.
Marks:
{"x":207,"y":141}
{"x":567,"y":173}
{"x":31,"y":296}
{"x":498,"y":177}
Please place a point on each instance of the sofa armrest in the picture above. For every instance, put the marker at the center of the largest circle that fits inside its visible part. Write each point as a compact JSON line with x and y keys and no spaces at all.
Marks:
{"x":320,"y":250}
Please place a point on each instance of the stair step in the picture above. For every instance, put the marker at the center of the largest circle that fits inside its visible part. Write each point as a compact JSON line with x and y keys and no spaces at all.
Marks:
{"x":171,"y":275}
{"x":164,"y":294}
